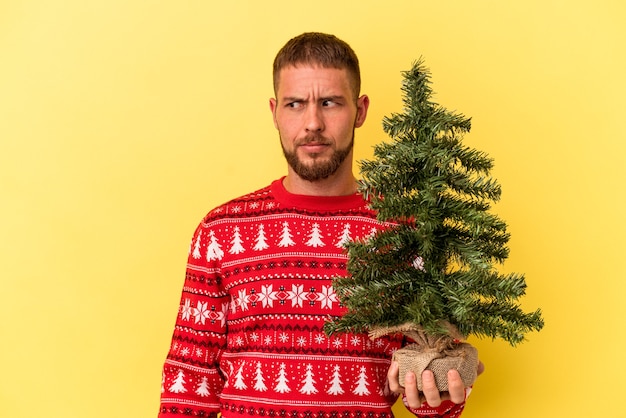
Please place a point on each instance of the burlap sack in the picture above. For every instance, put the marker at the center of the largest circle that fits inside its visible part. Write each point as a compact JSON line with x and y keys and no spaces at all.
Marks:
{"x":436,"y":353}
{"x":416,"y":358}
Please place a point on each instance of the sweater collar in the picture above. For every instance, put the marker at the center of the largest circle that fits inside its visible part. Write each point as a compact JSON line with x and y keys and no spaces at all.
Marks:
{"x":318,"y":203}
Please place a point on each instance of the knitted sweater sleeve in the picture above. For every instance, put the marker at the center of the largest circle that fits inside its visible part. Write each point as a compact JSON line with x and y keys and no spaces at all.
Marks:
{"x":447,"y":409}
{"x":192,"y":379}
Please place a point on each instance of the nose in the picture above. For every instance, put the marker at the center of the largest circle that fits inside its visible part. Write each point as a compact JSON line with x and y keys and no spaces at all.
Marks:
{"x":314,"y":121}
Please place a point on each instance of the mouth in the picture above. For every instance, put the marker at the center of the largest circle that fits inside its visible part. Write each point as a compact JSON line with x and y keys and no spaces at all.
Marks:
{"x":314,"y":147}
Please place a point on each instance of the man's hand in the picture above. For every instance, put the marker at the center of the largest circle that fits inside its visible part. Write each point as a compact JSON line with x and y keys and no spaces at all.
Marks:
{"x":430,"y":393}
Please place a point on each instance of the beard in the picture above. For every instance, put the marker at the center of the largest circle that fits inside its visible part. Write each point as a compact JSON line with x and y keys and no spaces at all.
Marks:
{"x":320,"y":168}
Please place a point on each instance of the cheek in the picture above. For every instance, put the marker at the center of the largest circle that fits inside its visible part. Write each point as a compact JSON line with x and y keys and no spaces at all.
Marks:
{"x":346,"y":125}
{"x":286,"y":134}
{"x":286,"y":126}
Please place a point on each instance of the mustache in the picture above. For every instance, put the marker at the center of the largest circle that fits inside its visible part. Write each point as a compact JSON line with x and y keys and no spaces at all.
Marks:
{"x":313,"y":139}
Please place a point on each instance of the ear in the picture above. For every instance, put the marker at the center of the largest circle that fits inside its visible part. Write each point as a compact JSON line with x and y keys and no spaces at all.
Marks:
{"x":362,"y":104}
{"x":273,"y":109}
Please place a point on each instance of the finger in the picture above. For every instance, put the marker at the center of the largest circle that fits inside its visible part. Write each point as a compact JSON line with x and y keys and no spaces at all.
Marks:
{"x":456,"y":387}
{"x":481,"y":368}
{"x":429,"y":387}
{"x":393,"y":378}
{"x":411,"y":393}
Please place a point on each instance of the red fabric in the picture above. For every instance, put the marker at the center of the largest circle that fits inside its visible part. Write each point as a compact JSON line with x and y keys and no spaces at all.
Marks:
{"x":447,"y":409}
{"x":249,"y":337}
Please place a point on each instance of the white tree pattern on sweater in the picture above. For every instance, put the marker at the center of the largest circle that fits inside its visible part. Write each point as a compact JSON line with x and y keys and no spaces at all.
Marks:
{"x":214,"y":250}
{"x":309,"y":383}
{"x":236,"y":242}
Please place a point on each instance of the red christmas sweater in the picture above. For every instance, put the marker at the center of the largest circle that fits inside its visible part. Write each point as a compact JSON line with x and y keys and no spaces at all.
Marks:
{"x":249,"y":337}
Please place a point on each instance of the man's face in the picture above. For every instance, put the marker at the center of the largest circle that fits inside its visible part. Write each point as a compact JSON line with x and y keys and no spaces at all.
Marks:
{"x":315,"y":113}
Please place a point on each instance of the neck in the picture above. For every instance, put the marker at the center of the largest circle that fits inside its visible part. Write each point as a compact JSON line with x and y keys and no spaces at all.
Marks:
{"x":336,"y":185}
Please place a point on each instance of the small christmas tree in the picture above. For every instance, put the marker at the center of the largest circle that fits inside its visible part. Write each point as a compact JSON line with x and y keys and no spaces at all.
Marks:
{"x":431,"y":274}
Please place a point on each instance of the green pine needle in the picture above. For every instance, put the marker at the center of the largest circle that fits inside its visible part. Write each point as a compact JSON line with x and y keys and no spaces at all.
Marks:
{"x":436,"y":194}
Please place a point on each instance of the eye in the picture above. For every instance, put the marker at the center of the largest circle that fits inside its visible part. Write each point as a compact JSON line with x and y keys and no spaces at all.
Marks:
{"x":294,"y":105}
{"x":331,"y":102}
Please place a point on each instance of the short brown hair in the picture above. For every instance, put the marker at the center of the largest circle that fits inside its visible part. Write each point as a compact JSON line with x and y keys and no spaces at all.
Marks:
{"x":321,"y":49}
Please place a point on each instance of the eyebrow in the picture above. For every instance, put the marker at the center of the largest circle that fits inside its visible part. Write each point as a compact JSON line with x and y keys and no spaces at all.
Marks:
{"x":291,"y":99}
{"x":301,"y":99}
{"x":333,"y":97}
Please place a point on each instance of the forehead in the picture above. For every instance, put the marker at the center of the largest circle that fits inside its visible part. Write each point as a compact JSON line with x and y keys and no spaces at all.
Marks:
{"x":303,"y":78}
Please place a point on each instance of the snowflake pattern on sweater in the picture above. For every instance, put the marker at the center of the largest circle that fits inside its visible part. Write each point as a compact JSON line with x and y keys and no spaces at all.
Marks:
{"x":249,"y":336}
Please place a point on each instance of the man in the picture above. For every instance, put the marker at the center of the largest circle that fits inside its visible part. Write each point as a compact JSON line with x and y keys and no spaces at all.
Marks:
{"x":249,"y":336}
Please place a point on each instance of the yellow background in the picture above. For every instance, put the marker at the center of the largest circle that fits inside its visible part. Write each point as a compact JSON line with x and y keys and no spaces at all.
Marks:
{"x":123,"y":122}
